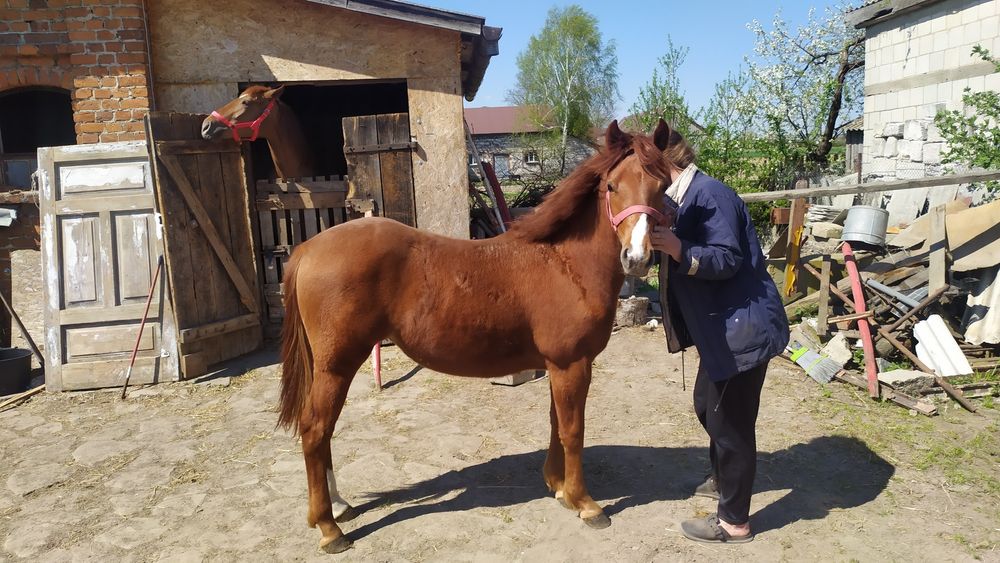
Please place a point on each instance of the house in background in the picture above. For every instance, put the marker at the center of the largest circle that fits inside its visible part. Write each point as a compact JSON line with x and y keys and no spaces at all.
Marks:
{"x":518,"y":148}
{"x":918,"y":61}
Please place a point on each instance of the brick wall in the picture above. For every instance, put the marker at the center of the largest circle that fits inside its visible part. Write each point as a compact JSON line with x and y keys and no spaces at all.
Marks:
{"x":94,"y":48}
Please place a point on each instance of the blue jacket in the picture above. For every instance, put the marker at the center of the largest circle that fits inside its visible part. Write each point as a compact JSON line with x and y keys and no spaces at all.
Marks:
{"x":720,"y":293}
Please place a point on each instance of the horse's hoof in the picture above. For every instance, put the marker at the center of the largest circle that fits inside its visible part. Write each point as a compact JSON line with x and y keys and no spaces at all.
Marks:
{"x":338,"y":545}
{"x":598,"y":522}
{"x":350,"y":514}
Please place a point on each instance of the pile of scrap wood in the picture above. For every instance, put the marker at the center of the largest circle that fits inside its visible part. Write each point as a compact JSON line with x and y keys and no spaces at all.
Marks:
{"x":916,"y":318}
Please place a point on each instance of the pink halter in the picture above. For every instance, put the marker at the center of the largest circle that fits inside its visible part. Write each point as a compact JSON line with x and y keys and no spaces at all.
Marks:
{"x":254,"y":125}
{"x":631,"y":210}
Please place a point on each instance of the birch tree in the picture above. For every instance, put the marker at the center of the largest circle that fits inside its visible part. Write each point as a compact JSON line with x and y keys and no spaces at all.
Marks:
{"x":567,"y":76}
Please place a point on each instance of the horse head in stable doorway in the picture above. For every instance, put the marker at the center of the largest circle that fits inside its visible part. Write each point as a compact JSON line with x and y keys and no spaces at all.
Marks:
{"x":259,"y":113}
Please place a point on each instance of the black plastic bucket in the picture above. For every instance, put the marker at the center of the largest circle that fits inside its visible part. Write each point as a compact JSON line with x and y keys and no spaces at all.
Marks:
{"x":15,"y":370}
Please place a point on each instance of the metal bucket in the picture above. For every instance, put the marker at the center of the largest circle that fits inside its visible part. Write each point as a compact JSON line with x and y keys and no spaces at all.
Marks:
{"x":15,"y":370}
{"x":866,"y":224}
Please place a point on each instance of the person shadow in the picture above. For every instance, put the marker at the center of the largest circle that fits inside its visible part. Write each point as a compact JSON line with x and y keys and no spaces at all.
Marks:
{"x":824,"y":474}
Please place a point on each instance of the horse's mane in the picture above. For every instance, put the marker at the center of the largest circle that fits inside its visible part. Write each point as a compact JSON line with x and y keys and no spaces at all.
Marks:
{"x":565,"y":203}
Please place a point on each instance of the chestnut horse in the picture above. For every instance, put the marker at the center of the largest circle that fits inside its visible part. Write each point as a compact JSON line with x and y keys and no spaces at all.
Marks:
{"x":258,"y":112}
{"x":542,"y":295}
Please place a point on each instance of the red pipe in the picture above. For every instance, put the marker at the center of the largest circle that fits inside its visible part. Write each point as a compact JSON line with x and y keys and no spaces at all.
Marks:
{"x":871,"y":371}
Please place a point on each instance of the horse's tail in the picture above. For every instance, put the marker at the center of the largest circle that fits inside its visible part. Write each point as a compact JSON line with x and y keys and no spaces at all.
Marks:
{"x":296,"y":367}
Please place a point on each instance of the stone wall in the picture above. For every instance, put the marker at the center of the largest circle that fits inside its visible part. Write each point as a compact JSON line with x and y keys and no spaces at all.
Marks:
{"x":203,"y":51}
{"x":916,"y":65}
{"x":96,"y":49}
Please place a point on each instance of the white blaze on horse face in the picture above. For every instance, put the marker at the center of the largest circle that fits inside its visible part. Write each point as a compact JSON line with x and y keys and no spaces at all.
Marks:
{"x":636,"y":247}
{"x":339,"y":504}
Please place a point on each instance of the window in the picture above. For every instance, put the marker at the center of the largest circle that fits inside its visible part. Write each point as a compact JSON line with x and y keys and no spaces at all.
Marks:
{"x":501,"y":165}
{"x":531,"y":157}
{"x":31,"y":118}
{"x":472,"y":159}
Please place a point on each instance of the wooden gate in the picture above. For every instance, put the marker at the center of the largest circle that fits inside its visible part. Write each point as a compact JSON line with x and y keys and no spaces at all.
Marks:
{"x":291,"y":211}
{"x":100,"y":247}
{"x":379,"y":163}
{"x":202,"y":194}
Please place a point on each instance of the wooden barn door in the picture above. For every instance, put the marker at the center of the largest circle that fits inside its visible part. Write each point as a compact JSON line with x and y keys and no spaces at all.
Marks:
{"x":202,"y":194}
{"x":100,"y":248}
{"x":379,"y":163}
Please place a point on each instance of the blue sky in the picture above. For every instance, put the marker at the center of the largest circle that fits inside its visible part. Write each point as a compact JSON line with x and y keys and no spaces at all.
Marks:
{"x":714,"y":31}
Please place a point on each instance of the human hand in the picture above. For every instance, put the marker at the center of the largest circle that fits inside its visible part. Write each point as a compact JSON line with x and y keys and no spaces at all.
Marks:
{"x":664,"y":240}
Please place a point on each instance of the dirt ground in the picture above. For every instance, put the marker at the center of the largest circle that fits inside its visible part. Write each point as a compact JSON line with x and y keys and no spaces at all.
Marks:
{"x":449,"y":469}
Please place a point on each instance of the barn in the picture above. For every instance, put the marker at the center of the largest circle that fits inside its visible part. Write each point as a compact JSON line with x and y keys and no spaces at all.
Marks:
{"x":118,"y":88}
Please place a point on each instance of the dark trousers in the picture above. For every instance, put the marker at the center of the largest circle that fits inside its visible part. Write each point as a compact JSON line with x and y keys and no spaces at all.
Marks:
{"x":728,"y":412}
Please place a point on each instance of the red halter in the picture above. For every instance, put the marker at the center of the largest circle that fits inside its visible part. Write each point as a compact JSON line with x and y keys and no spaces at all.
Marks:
{"x":616,"y":220}
{"x":253,"y":125}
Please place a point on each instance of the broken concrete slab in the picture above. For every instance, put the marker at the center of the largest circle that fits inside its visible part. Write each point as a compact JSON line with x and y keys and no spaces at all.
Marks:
{"x":826,"y":230}
{"x":901,"y":376}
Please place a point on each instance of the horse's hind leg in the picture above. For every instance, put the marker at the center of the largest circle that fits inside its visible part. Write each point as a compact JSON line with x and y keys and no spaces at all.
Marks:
{"x":316,"y":425}
{"x":569,"y":395}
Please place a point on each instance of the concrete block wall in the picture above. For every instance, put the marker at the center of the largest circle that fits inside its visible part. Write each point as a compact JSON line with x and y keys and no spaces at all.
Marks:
{"x":916,"y":65}
{"x":96,"y":49}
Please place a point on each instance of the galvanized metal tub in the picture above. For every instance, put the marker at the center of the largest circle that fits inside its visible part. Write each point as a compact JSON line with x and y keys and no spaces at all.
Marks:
{"x":866,"y":224}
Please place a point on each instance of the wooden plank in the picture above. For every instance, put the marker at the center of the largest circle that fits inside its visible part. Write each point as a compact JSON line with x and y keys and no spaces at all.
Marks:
{"x":77,"y":206}
{"x":219,"y":327}
{"x":364,"y":176}
{"x":222,"y":304}
{"x":246,"y":294}
{"x":311,"y":223}
{"x":242,"y":224}
{"x":923,"y":407}
{"x":196,"y":147}
{"x":383,"y":147}
{"x":305,"y":185}
{"x":938,"y":247}
{"x":396,"y":169}
{"x":945,"y":182}
{"x":302,"y":201}
{"x":295,"y":224}
{"x":824,"y":296}
{"x":795,"y":228}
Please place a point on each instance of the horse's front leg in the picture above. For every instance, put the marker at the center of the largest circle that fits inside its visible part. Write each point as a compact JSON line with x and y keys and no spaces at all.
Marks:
{"x":569,"y":396}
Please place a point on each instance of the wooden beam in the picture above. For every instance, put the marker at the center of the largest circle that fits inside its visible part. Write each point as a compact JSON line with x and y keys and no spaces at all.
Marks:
{"x":852,"y":317}
{"x":219,"y":327}
{"x":208,"y":228}
{"x":196,"y":147}
{"x":824,"y":295}
{"x":870,"y":187}
{"x":922,"y":407}
{"x":795,"y":226}
{"x":948,"y":388}
{"x":302,"y":200}
{"x":938,"y":240}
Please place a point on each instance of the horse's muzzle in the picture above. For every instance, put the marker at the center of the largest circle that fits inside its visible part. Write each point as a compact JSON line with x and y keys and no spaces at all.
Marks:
{"x":211,"y":129}
{"x":636,"y":265}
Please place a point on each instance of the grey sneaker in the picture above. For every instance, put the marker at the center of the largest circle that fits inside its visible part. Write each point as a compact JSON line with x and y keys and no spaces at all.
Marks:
{"x":708,"y":489}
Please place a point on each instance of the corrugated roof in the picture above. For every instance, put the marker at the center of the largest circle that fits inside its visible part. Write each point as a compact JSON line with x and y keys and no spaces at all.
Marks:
{"x":499,"y":120}
{"x":877,"y":11}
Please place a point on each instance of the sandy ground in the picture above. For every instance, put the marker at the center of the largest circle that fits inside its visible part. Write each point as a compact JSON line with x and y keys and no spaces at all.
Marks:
{"x":449,"y":469}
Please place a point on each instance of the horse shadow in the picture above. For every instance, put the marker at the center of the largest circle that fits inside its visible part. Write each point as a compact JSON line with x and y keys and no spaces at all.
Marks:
{"x":824,"y":474}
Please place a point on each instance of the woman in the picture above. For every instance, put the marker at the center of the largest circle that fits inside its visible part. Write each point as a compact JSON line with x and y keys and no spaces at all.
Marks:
{"x":718,"y":296}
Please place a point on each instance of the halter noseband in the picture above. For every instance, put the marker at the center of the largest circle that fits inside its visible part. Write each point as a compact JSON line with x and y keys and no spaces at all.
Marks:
{"x":254,"y":125}
{"x":616,"y":220}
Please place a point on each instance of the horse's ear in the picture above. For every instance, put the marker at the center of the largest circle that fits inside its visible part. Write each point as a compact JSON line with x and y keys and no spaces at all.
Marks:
{"x":274,"y":92}
{"x":615,"y":136}
{"x":661,"y":136}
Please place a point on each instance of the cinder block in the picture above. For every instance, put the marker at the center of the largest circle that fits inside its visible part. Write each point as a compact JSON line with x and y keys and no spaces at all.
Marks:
{"x":518,"y":378}
{"x":930,"y":111}
{"x":890,"y":150}
{"x":916,"y":150}
{"x":903,"y":149}
{"x":893,"y":130}
{"x":932,"y":153}
{"x":826,"y":230}
{"x":878,"y":146}
{"x":915,"y":130}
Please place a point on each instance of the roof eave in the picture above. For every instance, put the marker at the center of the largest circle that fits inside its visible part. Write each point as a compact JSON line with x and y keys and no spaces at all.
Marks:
{"x":884,"y":10}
